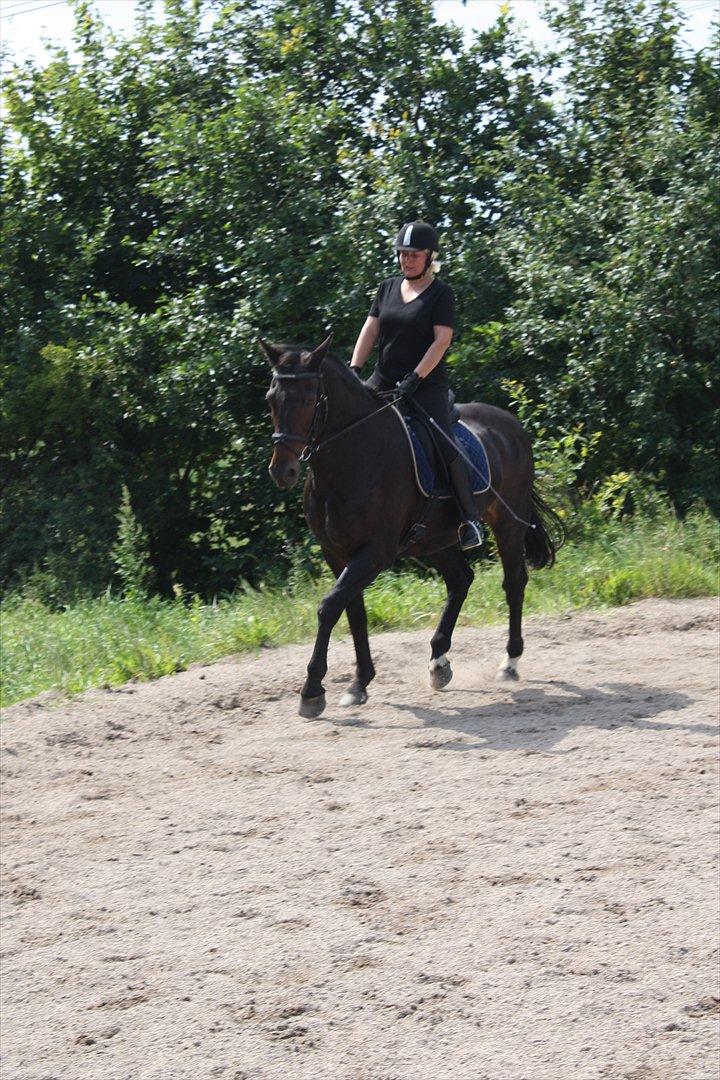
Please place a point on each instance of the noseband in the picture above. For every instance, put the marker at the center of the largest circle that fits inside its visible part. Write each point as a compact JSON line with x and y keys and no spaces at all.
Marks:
{"x":282,"y":438}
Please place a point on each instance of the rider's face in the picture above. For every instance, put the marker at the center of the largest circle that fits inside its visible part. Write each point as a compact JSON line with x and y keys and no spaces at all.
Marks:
{"x":412,"y":262}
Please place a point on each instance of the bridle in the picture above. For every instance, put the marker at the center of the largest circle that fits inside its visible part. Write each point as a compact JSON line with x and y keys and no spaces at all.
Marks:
{"x":284,"y":438}
{"x":313,"y":445}
{"x":319,"y":419}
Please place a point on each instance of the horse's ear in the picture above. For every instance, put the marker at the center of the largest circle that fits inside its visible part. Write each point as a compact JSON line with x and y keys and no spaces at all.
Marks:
{"x":272,"y":353}
{"x":318,"y":354}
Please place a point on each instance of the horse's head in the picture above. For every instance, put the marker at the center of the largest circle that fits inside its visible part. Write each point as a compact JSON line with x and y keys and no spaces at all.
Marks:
{"x":293,"y":396}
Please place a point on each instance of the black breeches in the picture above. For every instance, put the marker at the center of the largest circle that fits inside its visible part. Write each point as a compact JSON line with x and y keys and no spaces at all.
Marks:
{"x":434,"y":400}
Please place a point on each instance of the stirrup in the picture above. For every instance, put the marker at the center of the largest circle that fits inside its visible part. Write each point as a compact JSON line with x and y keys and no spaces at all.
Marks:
{"x":470,"y":535}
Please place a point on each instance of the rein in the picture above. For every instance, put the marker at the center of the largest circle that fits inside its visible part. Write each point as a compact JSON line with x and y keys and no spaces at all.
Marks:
{"x":312,"y":445}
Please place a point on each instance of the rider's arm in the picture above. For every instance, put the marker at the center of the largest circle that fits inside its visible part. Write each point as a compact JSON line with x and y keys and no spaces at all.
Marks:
{"x":365,"y":342}
{"x":441,"y":344}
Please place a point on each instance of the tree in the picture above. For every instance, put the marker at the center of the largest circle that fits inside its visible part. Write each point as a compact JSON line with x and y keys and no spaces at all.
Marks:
{"x":610,"y":247}
{"x":168,"y":196}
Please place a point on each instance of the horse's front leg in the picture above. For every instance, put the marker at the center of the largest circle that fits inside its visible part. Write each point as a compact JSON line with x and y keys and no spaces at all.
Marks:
{"x":361,"y":570}
{"x":356,"y":693}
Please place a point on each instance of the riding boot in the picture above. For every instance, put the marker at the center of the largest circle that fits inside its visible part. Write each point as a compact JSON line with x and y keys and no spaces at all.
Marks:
{"x":470,"y":533}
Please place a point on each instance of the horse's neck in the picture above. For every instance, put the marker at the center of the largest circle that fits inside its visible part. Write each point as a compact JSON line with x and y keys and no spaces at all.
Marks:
{"x":346,"y":402}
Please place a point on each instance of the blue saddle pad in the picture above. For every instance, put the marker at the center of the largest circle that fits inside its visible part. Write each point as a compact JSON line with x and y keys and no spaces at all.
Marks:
{"x":471,"y":447}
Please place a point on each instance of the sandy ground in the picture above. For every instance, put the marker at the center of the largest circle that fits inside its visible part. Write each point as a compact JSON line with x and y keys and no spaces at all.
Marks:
{"x":501,"y":882}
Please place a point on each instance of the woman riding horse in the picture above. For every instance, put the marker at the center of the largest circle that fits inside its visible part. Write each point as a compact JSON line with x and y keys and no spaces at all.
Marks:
{"x":362,"y":501}
{"x":412,"y":320}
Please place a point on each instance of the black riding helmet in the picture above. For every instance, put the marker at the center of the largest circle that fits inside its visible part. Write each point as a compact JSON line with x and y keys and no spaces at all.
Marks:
{"x":418,"y":236}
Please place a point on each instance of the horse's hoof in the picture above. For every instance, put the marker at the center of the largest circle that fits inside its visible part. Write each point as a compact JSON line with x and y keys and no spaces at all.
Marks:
{"x":312,"y":707}
{"x":508,"y":672}
{"x":440,"y":672}
{"x":354,"y":697}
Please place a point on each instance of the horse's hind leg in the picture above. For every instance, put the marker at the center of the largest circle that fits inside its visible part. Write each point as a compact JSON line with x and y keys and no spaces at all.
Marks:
{"x":356,"y":693}
{"x":458,"y":578}
{"x":510,"y":538}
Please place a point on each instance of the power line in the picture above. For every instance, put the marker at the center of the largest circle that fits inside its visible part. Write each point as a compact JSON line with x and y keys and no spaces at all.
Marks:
{"x":28,"y":5}
{"x":32,"y":11}
{"x":18,"y":5}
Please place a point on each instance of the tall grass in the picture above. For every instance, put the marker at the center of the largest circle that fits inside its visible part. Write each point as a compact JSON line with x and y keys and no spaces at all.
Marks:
{"x":109,"y":640}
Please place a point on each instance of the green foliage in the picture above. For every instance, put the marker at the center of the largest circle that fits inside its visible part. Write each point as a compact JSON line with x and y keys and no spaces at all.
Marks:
{"x":560,"y":454}
{"x":168,"y":195}
{"x":130,"y":551}
{"x":111,"y":639}
{"x":612,"y":252}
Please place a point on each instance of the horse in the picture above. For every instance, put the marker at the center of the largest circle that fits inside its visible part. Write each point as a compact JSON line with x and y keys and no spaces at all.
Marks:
{"x":361,"y":502}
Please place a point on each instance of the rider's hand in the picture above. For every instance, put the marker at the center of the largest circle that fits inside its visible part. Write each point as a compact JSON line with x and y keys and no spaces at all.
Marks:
{"x":356,"y":371}
{"x":407,"y":386}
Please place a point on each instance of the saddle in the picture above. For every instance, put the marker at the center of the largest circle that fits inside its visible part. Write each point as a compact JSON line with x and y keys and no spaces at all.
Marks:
{"x":428,"y":466}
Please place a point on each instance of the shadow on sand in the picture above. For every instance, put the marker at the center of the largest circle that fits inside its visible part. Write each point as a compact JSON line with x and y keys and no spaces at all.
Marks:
{"x":538,"y":718}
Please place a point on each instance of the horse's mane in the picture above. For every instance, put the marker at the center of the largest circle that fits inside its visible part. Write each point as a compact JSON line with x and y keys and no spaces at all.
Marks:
{"x":351,"y":380}
{"x":341,"y":369}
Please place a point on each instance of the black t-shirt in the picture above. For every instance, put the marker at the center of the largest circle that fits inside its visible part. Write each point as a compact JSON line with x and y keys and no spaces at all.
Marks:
{"x":406,"y":330}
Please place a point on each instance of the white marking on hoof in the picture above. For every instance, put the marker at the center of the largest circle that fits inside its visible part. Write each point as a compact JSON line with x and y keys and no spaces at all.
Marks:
{"x":311,"y":708}
{"x":508,"y":670}
{"x":354,"y":697}
{"x":440,"y":672}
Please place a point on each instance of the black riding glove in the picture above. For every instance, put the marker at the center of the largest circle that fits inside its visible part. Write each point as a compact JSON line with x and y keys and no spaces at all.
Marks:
{"x":356,"y":371}
{"x":407,"y":386}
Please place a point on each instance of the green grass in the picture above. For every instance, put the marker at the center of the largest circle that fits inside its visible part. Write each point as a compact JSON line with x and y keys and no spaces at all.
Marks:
{"x":109,"y":640}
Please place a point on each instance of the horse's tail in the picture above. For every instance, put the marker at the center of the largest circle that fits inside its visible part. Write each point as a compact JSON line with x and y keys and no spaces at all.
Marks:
{"x":543,"y":542}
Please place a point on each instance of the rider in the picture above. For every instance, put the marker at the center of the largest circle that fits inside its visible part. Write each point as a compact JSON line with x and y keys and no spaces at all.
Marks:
{"x":412,"y":318}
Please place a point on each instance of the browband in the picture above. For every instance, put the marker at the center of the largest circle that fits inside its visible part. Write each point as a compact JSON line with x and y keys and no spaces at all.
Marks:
{"x":298,"y":375}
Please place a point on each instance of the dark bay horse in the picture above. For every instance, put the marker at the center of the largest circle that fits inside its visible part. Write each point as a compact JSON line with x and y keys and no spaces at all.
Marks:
{"x":361,"y":502}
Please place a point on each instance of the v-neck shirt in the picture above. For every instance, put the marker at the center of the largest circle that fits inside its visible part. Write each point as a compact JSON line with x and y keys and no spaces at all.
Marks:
{"x":406,"y":328}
